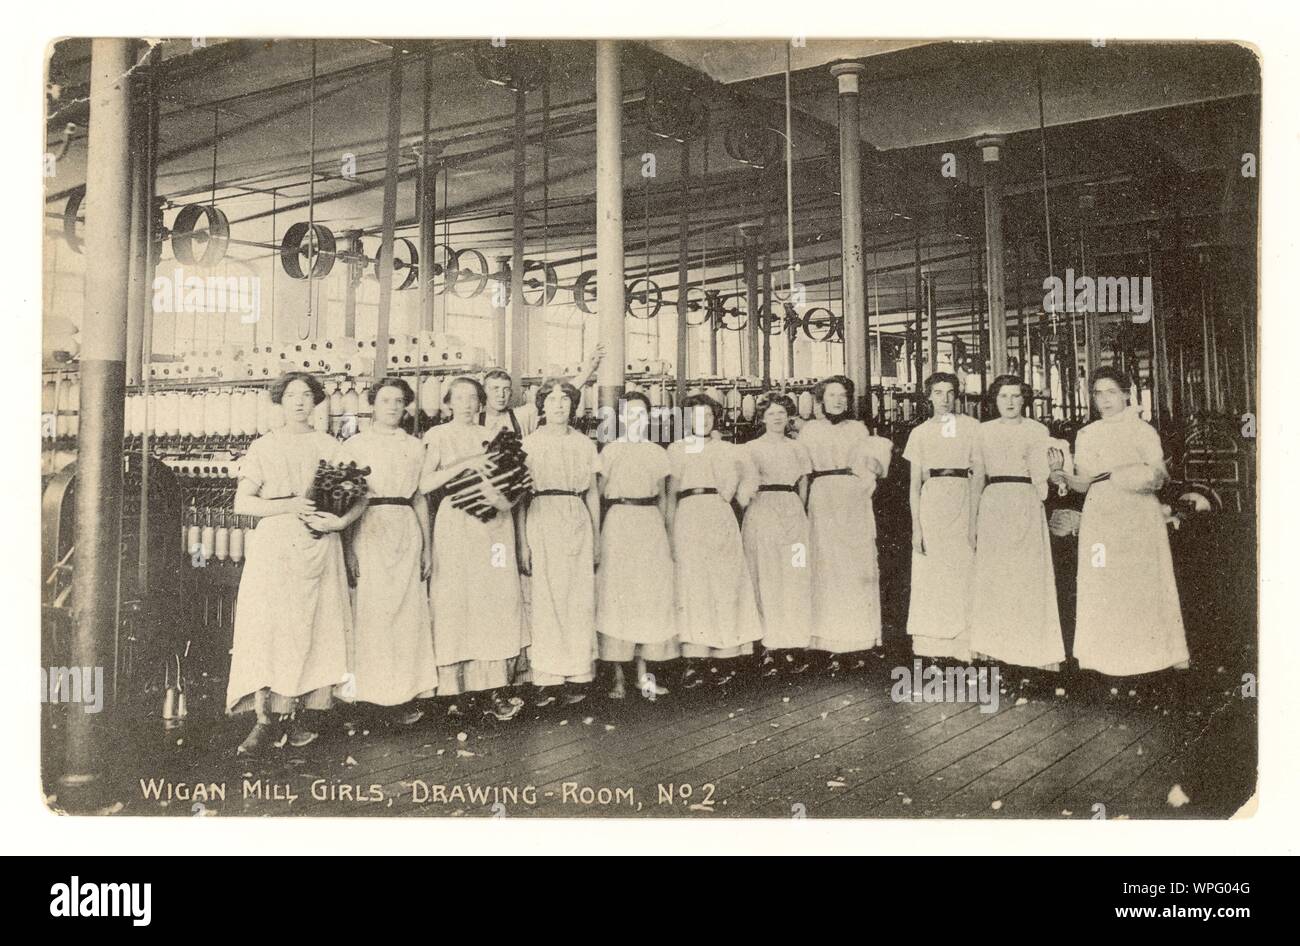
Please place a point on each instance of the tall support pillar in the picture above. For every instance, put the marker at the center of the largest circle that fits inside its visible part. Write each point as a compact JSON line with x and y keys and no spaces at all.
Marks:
{"x":389,"y":214}
{"x":769,"y":306}
{"x":103,"y":375}
{"x":517,"y":345}
{"x":931,"y":317}
{"x":352,"y":240}
{"x":139,"y":292}
{"x":428,"y":197}
{"x":610,"y":290}
{"x":917,"y":327}
{"x":683,"y":270}
{"x":750,"y":263}
{"x":991,"y":151}
{"x":857,"y":363}
{"x":498,"y":299}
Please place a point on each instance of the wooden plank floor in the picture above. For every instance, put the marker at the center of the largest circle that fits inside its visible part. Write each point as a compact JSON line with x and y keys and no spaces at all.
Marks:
{"x":822,"y":744}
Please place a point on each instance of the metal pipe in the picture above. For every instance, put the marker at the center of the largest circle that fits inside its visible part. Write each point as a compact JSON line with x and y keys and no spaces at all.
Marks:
{"x":390,"y":213}
{"x":683,"y":269}
{"x":1155,"y":335}
{"x":1205,"y":336}
{"x":428,"y":197}
{"x":517,"y":328}
{"x":103,"y":376}
{"x":991,"y":151}
{"x":767,"y":297}
{"x":917,"y":354}
{"x":351,"y":239}
{"x":138,"y":294}
{"x":609,"y":220}
{"x":150,"y":158}
{"x":932,"y":317}
{"x":750,"y":264}
{"x":857,"y":362}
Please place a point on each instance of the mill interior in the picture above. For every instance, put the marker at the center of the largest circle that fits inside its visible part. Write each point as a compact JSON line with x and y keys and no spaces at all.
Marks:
{"x":775,"y":212}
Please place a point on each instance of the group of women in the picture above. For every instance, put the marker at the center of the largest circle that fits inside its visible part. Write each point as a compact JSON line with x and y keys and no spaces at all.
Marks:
{"x":983,"y":583}
{"x":633,"y":554}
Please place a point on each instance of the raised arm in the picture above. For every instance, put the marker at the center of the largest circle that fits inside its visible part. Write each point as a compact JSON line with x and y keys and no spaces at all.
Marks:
{"x":589,"y":368}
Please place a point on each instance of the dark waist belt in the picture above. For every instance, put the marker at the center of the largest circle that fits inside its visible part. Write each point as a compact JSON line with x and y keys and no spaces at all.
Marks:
{"x":558,"y":492}
{"x":777,"y":488}
{"x":391,"y":500}
{"x":951,"y":471}
{"x":1101,"y":477}
{"x":697,"y":491}
{"x":842,"y":471}
{"x":633,"y":501}
{"x":1009,"y":479}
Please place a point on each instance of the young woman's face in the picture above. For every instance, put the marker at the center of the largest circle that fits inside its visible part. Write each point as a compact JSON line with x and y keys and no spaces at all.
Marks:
{"x":942,"y":398}
{"x":390,"y":405}
{"x":463,"y":401}
{"x":836,"y":400}
{"x":498,"y":393}
{"x":557,"y":406}
{"x":635,"y":420}
{"x":701,"y":420}
{"x":1011,"y":401}
{"x":297,"y":402}
{"x":1110,"y":399}
{"x":775,"y":418}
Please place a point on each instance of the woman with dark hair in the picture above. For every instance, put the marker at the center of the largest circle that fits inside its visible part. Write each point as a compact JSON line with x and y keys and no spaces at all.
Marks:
{"x":846,"y":462}
{"x":634,"y":584}
{"x":292,"y":618}
{"x":1014,"y":617}
{"x":940,"y":451}
{"x":716,"y":613}
{"x":775,"y":531}
{"x":1130,"y":620}
{"x":389,"y":556}
{"x":557,"y":546}
{"x":478,"y":624}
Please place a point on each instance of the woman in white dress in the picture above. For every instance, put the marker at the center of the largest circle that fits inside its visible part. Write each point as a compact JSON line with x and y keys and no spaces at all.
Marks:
{"x":389,"y":555}
{"x":292,"y":617}
{"x":716,"y":614}
{"x":775,"y":533}
{"x":1129,"y":617}
{"x":940,"y":451}
{"x":634,"y":584}
{"x":478,"y":624}
{"x":557,"y":546}
{"x":847,"y":460}
{"x":1014,"y":618}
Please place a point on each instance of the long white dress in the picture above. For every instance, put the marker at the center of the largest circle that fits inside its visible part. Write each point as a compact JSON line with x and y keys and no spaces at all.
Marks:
{"x":392,"y":657}
{"x":938,"y":614}
{"x":776,"y":540}
{"x":560,"y":540}
{"x":1014,"y":617}
{"x":478,"y":625}
{"x":634,"y":583}
{"x":1129,"y":617}
{"x":292,"y":616}
{"x":716,"y":612}
{"x":842,"y":534}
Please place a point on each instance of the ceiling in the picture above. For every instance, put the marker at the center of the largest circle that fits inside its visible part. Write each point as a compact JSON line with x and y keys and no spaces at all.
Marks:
{"x":1151,"y":132}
